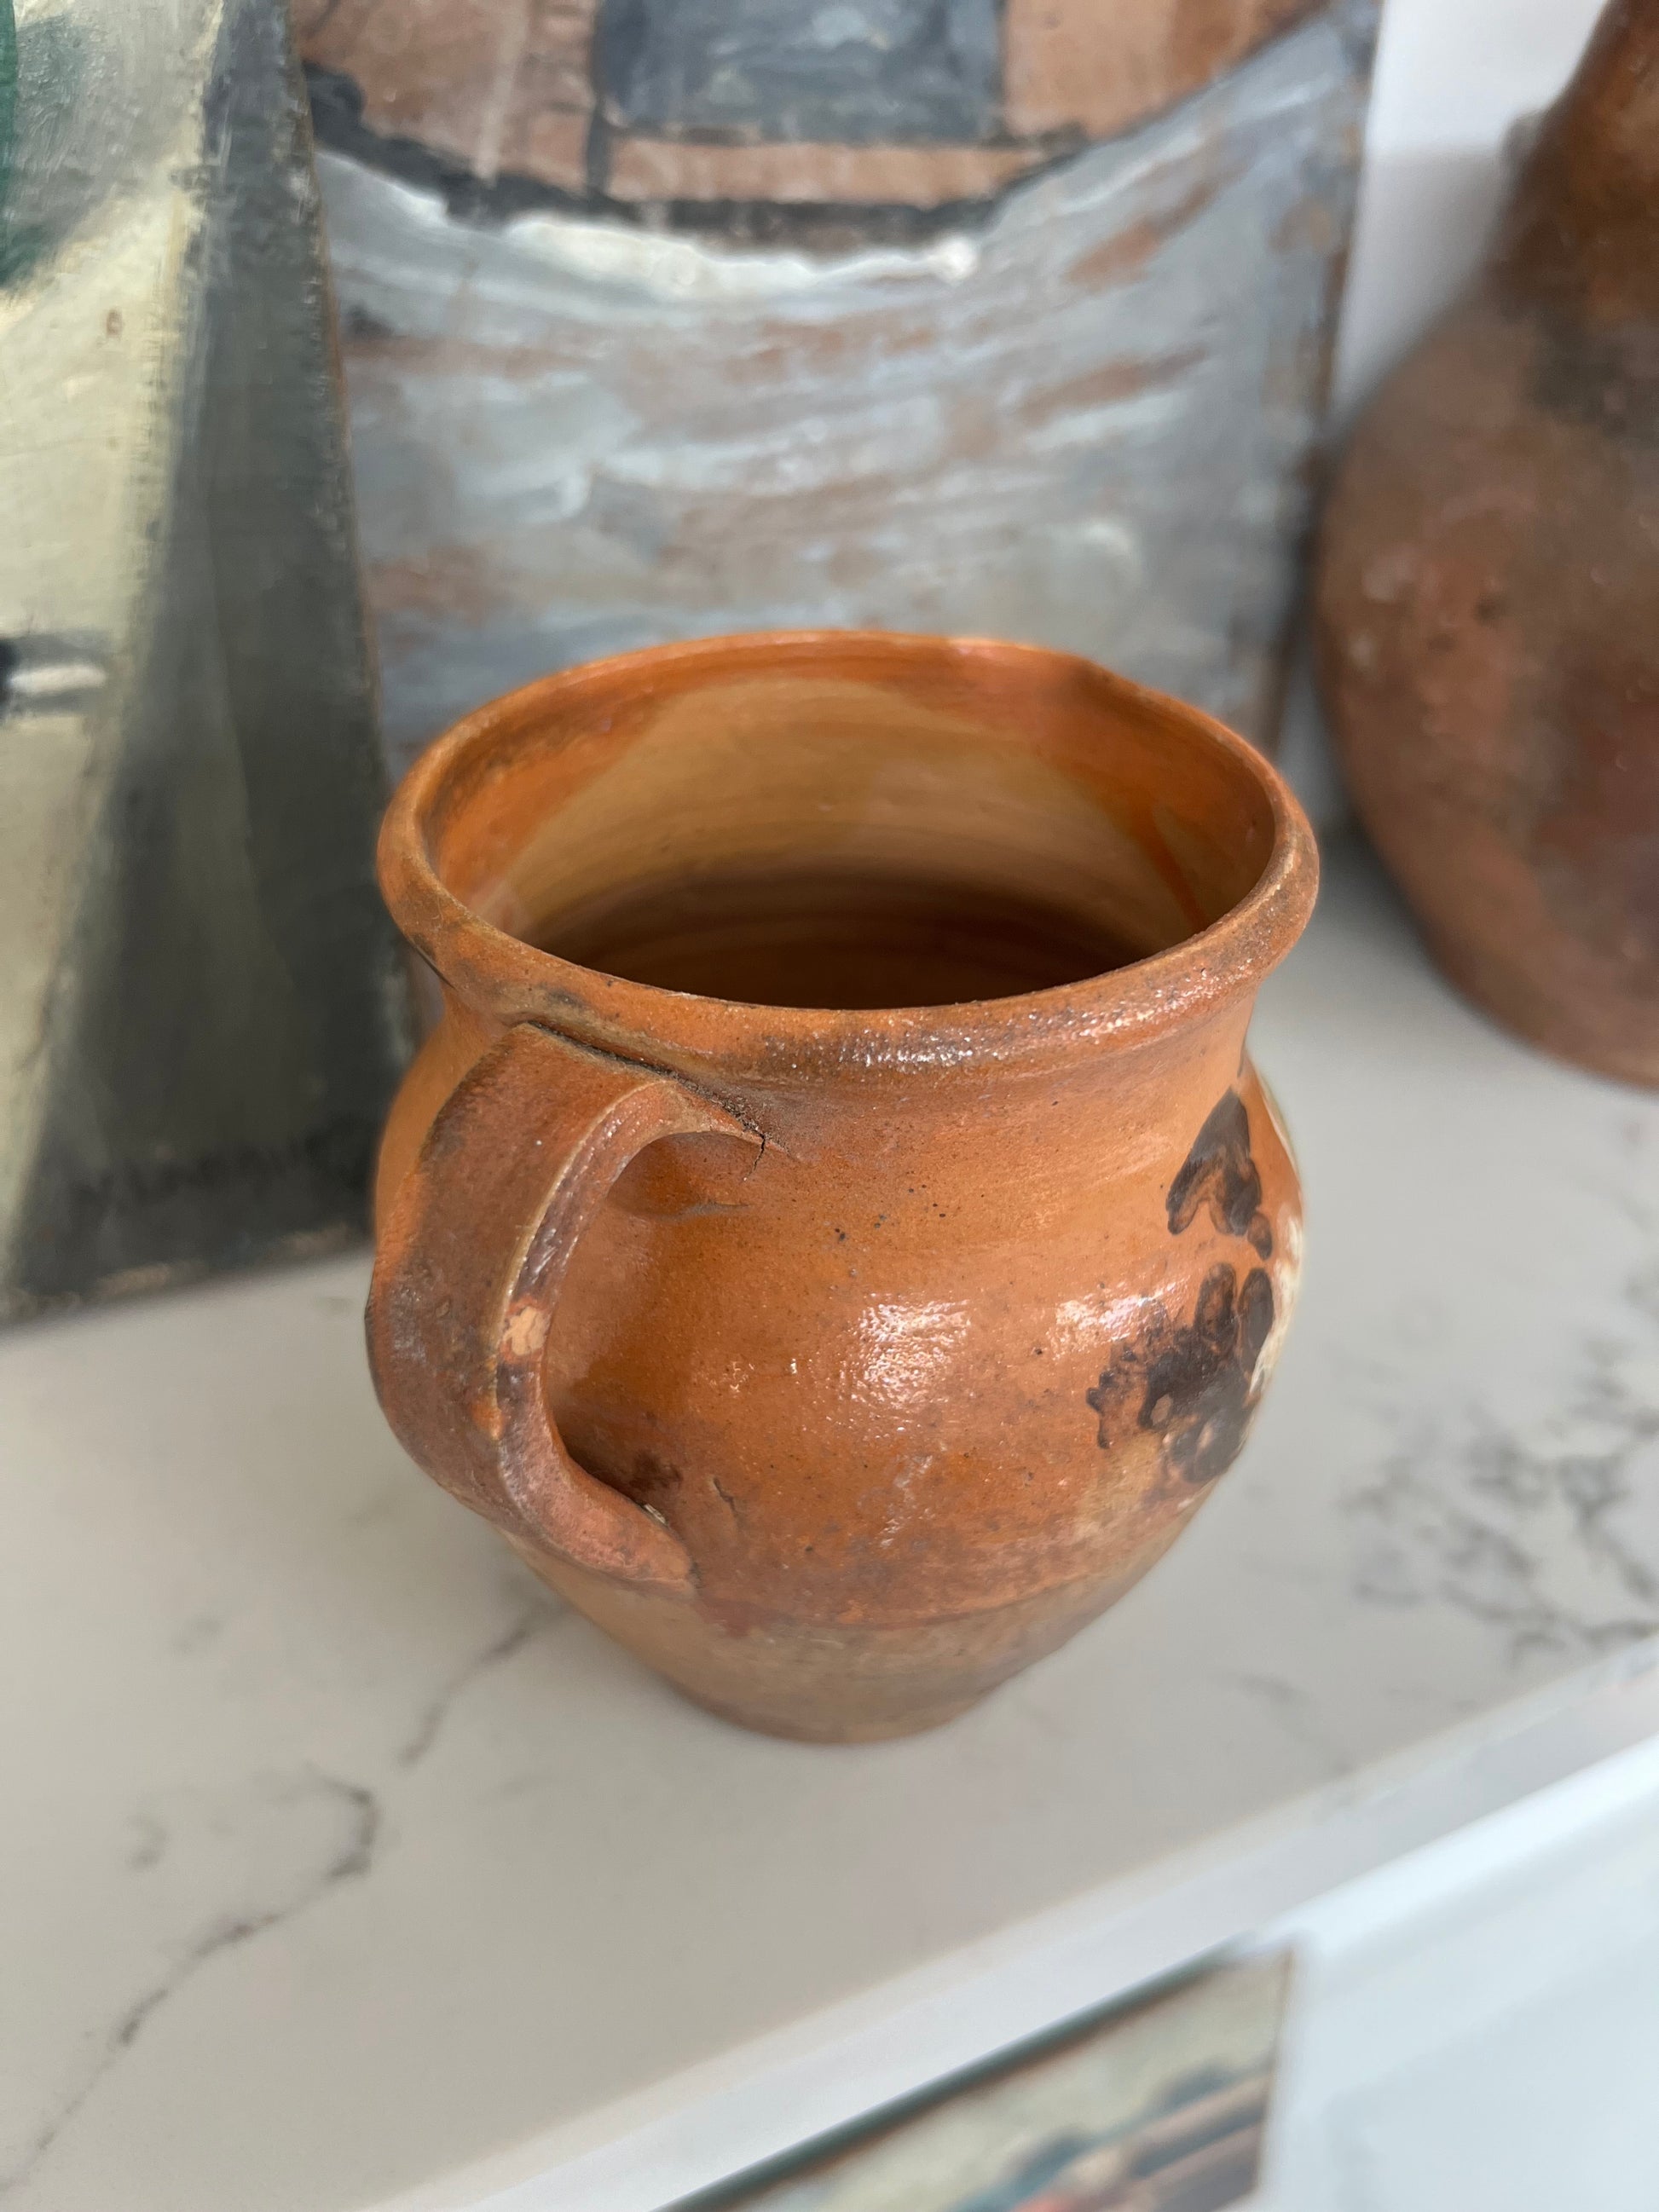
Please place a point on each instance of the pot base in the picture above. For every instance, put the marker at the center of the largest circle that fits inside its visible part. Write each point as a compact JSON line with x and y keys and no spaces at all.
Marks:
{"x":920,"y":1722}
{"x":813,"y":1682}
{"x":1594,"y":1039}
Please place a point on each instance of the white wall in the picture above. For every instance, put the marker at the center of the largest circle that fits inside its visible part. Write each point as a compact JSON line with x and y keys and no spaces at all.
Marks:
{"x":1476,"y":2027}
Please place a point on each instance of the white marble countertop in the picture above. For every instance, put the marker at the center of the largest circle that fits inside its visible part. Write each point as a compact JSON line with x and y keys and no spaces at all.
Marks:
{"x":342,"y":1869}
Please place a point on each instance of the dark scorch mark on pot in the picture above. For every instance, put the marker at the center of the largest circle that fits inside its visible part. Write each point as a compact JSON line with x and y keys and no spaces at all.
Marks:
{"x":1220,"y":1173}
{"x":1198,"y":1387}
{"x":1198,"y":1394}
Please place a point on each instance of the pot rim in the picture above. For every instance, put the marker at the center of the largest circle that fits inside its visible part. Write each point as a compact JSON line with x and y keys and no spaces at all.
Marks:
{"x":509,"y":981}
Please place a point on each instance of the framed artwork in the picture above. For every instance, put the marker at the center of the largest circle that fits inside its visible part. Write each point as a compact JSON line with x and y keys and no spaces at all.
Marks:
{"x":201,"y":1006}
{"x":666,"y":317}
{"x":1160,"y":2107}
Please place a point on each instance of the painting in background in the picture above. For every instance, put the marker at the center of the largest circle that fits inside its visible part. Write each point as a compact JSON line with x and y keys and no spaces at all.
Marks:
{"x":1160,"y":2107}
{"x":201,"y":1011}
{"x":664,"y":318}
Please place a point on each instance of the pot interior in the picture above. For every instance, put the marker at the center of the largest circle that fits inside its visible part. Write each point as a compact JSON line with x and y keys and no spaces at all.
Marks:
{"x":879,"y":822}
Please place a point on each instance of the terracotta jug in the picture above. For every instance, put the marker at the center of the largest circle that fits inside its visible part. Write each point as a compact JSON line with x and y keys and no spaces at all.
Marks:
{"x":1489,"y":594}
{"x":836,"y":1231}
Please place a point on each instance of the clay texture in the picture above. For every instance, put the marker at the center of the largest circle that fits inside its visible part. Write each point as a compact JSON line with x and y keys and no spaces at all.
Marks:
{"x":839,"y":1359}
{"x":1490,"y":575}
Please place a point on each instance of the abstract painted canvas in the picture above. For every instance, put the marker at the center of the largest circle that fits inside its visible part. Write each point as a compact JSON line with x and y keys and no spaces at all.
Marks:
{"x":666,"y":317}
{"x":201,"y":1006}
{"x":1160,"y":2107}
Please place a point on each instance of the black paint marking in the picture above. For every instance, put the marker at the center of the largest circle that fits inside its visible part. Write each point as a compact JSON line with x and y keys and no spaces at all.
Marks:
{"x":826,"y":226}
{"x":1198,"y":1387}
{"x":1221,"y":1174}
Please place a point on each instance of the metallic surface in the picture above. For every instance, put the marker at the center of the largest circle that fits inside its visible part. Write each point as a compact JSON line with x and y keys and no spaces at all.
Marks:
{"x":682,"y":381}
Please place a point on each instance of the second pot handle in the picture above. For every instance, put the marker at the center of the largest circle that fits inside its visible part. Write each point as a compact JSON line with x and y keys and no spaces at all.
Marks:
{"x":468,"y":1265}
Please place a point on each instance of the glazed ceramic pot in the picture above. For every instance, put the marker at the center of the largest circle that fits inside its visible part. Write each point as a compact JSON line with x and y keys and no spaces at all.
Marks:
{"x":1489,"y":591}
{"x":836,"y":1231}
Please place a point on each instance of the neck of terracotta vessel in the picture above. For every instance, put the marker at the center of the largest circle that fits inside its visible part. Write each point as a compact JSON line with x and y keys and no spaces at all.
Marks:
{"x":1582,"y":231}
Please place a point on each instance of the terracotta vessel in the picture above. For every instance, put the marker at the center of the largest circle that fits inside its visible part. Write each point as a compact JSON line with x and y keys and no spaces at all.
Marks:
{"x":1489,"y":595}
{"x":836,"y":1231}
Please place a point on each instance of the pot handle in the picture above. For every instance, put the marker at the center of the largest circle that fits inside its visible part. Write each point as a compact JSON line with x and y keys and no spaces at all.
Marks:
{"x":468,"y":1265}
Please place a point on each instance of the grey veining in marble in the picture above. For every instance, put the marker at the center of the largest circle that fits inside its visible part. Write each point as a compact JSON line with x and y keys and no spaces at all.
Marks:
{"x":347,"y":1861}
